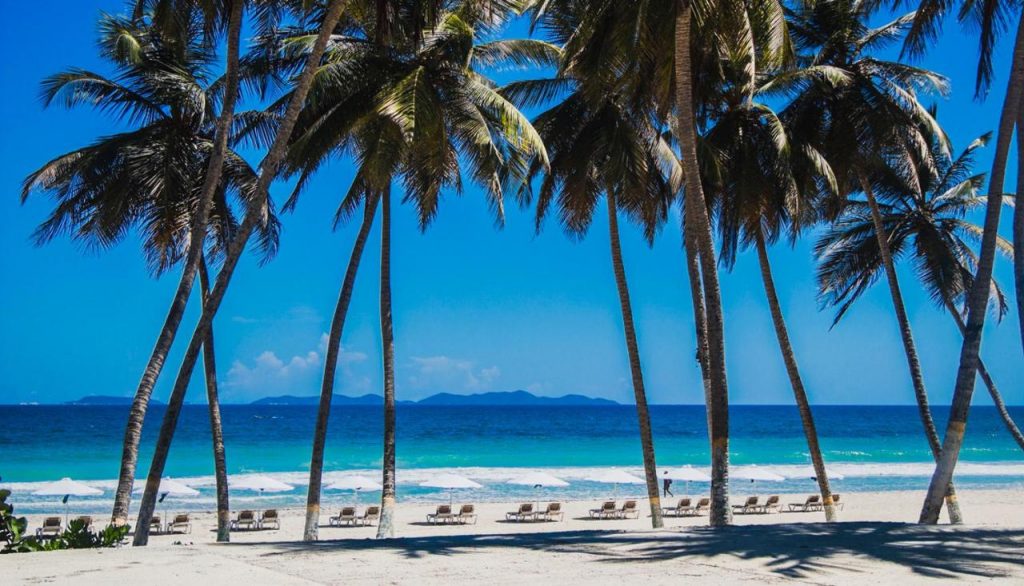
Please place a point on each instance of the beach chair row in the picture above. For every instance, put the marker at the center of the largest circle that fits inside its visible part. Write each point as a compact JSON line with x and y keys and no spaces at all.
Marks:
{"x":248,"y":521}
{"x":754,"y":506}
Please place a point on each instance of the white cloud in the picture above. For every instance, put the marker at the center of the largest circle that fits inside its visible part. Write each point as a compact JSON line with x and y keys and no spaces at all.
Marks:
{"x":445,"y":373}
{"x":267,"y":371}
{"x":241,"y":319}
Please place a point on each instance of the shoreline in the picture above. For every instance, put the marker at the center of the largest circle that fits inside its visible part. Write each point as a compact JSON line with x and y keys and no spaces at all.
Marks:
{"x":875,"y":540}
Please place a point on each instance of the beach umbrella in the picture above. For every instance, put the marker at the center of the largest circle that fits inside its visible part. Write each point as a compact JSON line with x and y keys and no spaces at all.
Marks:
{"x":686,"y":474}
{"x":810,"y":473}
{"x":171,"y":487}
{"x":355,"y":484}
{"x":67,"y":488}
{"x":261,"y":483}
{"x":615,"y":478}
{"x":753,"y":474}
{"x":450,"y":482}
{"x":538,"y":480}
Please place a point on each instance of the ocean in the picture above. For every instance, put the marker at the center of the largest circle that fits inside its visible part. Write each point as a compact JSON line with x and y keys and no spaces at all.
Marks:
{"x":872,"y":448}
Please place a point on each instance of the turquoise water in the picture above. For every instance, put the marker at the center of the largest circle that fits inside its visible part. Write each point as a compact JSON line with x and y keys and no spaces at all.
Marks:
{"x":873,"y":448}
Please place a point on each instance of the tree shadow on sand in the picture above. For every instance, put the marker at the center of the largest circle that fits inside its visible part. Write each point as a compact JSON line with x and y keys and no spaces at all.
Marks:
{"x":791,"y":550}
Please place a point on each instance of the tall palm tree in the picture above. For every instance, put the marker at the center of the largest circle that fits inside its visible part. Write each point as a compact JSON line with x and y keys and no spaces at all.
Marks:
{"x":923,"y":217}
{"x":406,"y":104}
{"x":765,"y":187}
{"x":254,"y":216}
{"x":990,"y":20}
{"x":177,"y":15}
{"x":606,"y":149}
{"x":868,"y":105}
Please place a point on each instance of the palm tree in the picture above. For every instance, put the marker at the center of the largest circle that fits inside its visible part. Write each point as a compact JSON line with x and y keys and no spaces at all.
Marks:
{"x":989,"y":18}
{"x":865,"y":106}
{"x":172,"y":15}
{"x":605,"y":149}
{"x":923,"y":216}
{"x":407,"y":104}
{"x":255,"y":215}
{"x":764,"y":186}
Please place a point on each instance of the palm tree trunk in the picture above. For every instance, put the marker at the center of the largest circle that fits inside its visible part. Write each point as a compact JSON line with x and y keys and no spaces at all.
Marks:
{"x":137,"y":414}
{"x":977,"y":298}
{"x":1018,"y":226}
{"x":220,"y":465}
{"x":386,"y":527}
{"x":316,"y":465}
{"x":636,"y":372}
{"x":700,"y":319}
{"x":997,"y":397}
{"x":795,"y":381}
{"x":268,"y":169}
{"x":697,"y":217}
{"x":916,"y":376}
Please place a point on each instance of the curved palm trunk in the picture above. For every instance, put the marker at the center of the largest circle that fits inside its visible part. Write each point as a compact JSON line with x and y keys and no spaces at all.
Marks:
{"x":316,"y":465}
{"x":1018,"y":227}
{"x":916,"y":376}
{"x":386,"y":527}
{"x":632,"y":348}
{"x":137,"y":414}
{"x":997,"y":397}
{"x":977,"y":298}
{"x":794,"y":379}
{"x":700,"y":224}
{"x":220,"y":465}
{"x":268,"y":169}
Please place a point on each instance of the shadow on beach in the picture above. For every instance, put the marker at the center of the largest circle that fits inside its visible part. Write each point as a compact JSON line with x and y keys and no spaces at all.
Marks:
{"x":790,"y":550}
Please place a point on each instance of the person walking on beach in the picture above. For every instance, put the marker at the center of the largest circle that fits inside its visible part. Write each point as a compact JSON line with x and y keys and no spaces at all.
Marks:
{"x":666,"y":486}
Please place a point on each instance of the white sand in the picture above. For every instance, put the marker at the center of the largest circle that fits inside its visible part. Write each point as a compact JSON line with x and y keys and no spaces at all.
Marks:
{"x":875,"y":542}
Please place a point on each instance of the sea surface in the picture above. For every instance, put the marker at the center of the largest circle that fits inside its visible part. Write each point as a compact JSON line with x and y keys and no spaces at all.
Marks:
{"x":872,"y":448}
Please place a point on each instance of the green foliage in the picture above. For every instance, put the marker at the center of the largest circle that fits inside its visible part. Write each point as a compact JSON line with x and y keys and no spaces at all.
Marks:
{"x":78,"y":535}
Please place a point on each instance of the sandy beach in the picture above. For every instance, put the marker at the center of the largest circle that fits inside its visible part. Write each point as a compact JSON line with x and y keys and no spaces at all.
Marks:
{"x":876,"y":540}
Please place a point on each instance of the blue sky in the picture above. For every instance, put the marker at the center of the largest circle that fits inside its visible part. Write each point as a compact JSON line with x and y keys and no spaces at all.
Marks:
{"x":476,"y":308}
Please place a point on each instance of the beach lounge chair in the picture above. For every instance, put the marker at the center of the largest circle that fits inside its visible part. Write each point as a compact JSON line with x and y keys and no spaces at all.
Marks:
{"x":552,"y":512}
{"x":750,"y":506}
{"x":703,"y":506}
{"x":268,"y":518}
{"x":370,"y":515}
{"x":245,"y":519}
{"x":466,"y":514}
{"x":156,"y":525}
{"x":628,"y":510}
{"x":180,"y":524}
{"x":443,"y":514}
{"x":812,"y":503}
{"x":52,"y":527}
{"x":607,"y":511}
{"x":347,"y":516}
{"x":679,"y":510}
{"x":772,"y":505}
{"x":525,"y":513}
{"x":835,"y":501}
{"x":86,"y":520}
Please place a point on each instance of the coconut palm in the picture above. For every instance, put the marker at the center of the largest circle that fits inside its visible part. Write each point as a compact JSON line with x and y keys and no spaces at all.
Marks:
{"x":407,"y":104}
{"x":154,"y":177}
{"x":867,"y":106}
{"x":990,"y":20}
{"x":605,"y":149}
{"x":256,"y":215}
{"x":178,"y":19}
{"x":923,"y":216}
{"x":765,"y":188}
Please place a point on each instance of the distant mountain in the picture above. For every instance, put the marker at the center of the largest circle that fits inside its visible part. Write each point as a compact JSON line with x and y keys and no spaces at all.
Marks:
{"x":368,"y":399}
{"x":108,"y":400}
{"x":508,"y":398}
{"x":511,"y":398}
